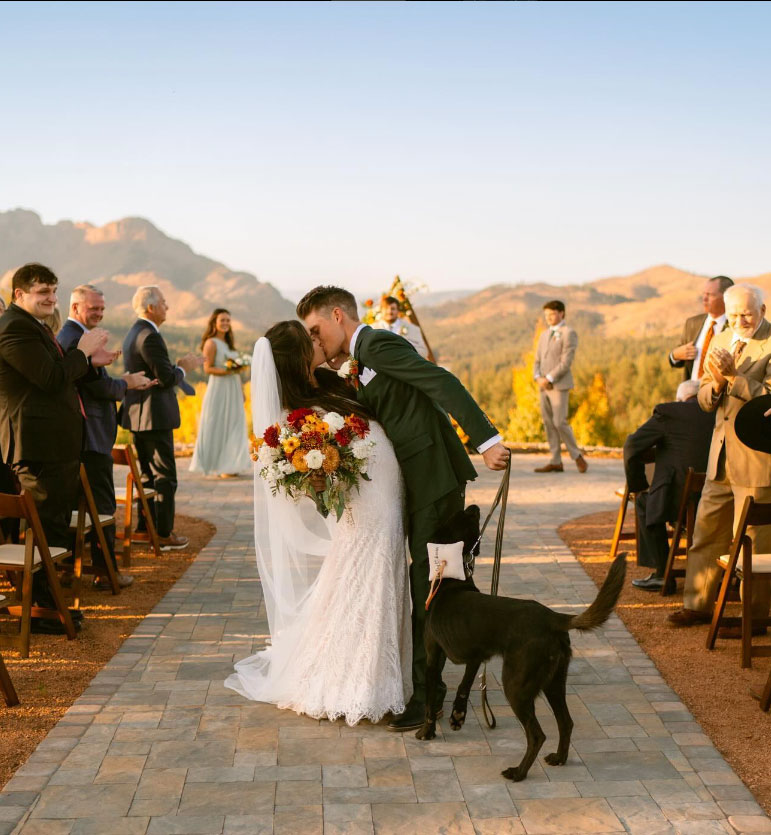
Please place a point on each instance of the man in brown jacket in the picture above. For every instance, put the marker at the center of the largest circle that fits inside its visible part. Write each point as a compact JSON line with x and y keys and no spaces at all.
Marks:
{"x":737,"y":369}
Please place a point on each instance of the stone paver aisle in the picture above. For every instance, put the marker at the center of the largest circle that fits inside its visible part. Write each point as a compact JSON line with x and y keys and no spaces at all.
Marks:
{"x":157,"y":745}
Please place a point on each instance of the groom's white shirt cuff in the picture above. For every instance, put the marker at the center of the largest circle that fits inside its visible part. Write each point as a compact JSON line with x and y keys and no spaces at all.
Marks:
{"x":496,"y":439}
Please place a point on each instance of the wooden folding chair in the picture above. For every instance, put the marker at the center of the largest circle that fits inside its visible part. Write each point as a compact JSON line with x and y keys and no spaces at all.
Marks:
{"x":6,"y":685}
{"x":124,"y":456}
{"x":25,"y":560}
{"x":619,"y":534}
{"x":686,"y":522}
{"x":85,"y":519}
{"x":753,"y":567}
{"x":765,"y":697}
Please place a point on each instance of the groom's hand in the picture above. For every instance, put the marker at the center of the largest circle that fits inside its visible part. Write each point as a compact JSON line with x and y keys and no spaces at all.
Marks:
{"x":336,"y":362}
{"x":496,"y":457}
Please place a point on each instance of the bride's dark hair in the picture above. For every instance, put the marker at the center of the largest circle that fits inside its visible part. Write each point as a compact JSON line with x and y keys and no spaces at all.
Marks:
{"x":293,"y":353}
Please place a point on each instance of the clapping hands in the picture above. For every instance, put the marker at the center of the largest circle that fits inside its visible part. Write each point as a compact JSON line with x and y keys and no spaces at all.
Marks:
{"x":139,"y":381}
{"x":721,"y":366}
{"x":189,"y":362}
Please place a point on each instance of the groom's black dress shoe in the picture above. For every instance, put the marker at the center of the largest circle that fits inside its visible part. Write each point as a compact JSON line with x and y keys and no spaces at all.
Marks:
{"x":413,"y":717}
{"x":654,"y":583}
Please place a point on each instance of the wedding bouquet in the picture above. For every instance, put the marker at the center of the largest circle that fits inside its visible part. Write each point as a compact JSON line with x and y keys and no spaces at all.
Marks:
{"x":308,"y":447}
{"x":237,"y":362}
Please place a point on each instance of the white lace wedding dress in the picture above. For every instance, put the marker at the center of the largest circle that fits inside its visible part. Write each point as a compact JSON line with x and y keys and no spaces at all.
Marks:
{"x":341,"y":646}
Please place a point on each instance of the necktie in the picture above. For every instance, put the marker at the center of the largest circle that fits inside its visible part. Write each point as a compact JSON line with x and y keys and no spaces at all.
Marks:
{"x":705,"y":347}
{"x":61,"y":354}
{"x":738,"y":351}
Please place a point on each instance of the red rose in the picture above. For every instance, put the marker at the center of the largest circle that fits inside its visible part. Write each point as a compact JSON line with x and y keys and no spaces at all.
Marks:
{"x":343,"y":437}
{"x":271,"y":436}
{"x":312,"y":440}
{"x":295,"y":418}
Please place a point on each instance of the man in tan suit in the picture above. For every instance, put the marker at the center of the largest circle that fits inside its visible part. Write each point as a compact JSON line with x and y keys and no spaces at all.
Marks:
{"x":392,"y":321}
{"x":737,"y":369}
{"x":553,"y":358}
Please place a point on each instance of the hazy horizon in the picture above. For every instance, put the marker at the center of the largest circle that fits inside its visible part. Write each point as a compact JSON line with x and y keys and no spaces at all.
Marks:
{"x":458,"y":145}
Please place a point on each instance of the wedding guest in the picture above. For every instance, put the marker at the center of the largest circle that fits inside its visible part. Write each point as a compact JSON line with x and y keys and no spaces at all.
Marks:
{"x":737,"y":369}
{"x":41,"y":413}
{"x":679,"y":433}
{"x":699,"y":330}
{"x":553,"y":358}
{"x":391,"y":320}
{"x":152,"y":414}
{"x":99,"y":398}
{"x":222,"y":445}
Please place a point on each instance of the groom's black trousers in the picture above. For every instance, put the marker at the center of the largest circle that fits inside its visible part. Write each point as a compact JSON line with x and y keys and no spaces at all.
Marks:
{"x":423,"y":525}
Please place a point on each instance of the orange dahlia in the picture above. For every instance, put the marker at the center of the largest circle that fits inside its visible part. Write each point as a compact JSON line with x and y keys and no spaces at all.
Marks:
{"x":298,"y":461}
{"x":331,"y":459}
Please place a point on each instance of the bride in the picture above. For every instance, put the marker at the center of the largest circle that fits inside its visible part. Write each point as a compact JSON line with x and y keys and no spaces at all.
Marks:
{"x":336,"y":593}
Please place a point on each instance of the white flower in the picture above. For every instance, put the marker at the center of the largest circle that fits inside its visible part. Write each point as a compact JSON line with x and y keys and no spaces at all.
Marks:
{"x":267,"y":455}
{"x":360,"y":449}
{"x":363,"y":467}
{"x":334,"y":421}
{"x":345,"y":369}
{"x":314,"y":459}
{"x":286,"y":467}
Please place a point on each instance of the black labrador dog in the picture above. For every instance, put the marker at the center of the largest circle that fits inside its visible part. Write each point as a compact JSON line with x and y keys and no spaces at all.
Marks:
{"x":469,"y":627}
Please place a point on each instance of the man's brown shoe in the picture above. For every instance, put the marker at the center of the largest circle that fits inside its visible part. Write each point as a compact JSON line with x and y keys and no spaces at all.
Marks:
{"x":581,"y":464}
{"x":550,"y":468}
{"x":172,"y":542}
{"x":689,"y":617}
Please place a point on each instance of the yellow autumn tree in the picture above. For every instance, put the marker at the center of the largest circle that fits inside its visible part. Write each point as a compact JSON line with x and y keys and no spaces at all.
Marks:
{"x":592,"y":422}
{"x":525,"y":422}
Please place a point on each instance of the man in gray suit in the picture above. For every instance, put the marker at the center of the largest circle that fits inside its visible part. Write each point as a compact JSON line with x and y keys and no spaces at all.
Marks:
{"x":553,"y":358}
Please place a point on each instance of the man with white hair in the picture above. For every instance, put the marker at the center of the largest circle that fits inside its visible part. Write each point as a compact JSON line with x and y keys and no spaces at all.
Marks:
{"x":678,"y":435}
{"x":737,"y":369}
{"x":152,"y":414}
{"x":99,"y":397}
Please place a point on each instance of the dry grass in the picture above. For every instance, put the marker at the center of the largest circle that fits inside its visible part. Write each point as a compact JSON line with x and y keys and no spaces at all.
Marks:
{"x":711,"y":684}
{"x":58,"y":670}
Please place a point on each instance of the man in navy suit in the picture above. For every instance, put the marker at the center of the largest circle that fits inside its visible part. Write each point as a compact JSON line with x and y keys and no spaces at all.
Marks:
{"x":99,"y":398}
{"x":152,"y":414}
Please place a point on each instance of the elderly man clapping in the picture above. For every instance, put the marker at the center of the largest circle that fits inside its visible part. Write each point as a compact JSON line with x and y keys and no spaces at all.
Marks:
{"x":738,"y":369}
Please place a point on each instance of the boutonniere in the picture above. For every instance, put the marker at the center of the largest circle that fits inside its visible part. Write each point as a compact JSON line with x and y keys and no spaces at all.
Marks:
{"x":349,"y":371}
{"x":403,"y":330}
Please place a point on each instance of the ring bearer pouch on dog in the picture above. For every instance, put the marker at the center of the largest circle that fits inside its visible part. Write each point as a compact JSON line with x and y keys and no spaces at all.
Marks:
{"x":452,"y":555}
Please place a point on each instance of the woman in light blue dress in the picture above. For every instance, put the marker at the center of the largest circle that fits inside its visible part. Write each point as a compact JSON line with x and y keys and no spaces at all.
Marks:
{"x":222,"y":445}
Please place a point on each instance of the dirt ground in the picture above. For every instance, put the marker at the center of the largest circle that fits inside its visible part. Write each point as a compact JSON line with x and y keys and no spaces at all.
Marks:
{"x":58,"y":671}
{"x":712,"y":685}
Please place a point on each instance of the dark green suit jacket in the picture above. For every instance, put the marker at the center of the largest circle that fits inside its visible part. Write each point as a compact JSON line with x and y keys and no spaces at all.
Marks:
{"x":410,"y":397}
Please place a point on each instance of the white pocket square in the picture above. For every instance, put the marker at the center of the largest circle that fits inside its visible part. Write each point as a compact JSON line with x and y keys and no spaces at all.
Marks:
{"x":366,"y":376}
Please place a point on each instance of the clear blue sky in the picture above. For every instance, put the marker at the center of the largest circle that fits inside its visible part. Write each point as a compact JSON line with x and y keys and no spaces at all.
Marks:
{"x":458,"y":144}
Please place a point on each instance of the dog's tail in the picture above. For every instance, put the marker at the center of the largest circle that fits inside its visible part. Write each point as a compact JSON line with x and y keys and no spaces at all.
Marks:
{"x":606,"y":599}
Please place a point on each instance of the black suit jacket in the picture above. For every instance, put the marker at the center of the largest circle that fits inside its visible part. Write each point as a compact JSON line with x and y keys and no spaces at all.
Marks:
{"x":99,"y":397}
{"x":681,"y":434}
{"x":691,"y":331}
{"x":156,"y":408}
{"x":40,"y":417}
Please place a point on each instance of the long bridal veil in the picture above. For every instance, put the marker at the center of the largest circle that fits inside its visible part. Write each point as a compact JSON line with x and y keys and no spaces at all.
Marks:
{"x":291,"y":539}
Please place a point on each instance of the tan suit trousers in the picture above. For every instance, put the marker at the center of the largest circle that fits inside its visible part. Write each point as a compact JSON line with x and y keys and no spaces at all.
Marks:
{"x":716,"y":519}
{"x":554,"y":412}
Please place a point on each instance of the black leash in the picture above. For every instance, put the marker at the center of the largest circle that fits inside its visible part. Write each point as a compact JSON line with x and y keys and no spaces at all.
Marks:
{"x":502,"y":499}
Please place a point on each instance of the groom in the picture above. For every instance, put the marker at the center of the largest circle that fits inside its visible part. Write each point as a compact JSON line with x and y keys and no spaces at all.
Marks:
{"x":410,"y":397}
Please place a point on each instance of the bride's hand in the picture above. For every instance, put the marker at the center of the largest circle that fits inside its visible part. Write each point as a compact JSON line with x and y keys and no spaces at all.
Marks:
{"x":336,"y":362}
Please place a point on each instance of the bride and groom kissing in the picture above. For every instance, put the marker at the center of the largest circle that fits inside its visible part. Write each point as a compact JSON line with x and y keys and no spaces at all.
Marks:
{"x":346,"y":612}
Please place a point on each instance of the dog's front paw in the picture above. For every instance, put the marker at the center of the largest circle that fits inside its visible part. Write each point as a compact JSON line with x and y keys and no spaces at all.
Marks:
{"x":457,"y":718}
{"x":514,"y":773}
{"x":555,"y":759}
{"x":428,"y":731}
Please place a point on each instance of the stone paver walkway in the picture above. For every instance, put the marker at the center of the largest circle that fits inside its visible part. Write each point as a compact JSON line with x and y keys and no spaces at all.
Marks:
{"x":157,"y":745}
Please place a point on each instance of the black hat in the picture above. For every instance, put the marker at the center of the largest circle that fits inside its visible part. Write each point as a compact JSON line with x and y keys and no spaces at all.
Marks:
{"x":752,"y":428}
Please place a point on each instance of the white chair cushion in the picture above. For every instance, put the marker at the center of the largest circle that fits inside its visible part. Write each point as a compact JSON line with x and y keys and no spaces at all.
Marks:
{"x":104,"y":518}
{"x":14,"y":554}
{"x":761,"y":563}
{"x":120,"y":494}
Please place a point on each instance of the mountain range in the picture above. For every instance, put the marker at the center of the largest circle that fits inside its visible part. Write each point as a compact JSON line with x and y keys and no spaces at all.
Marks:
{"x":125,"y":254}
